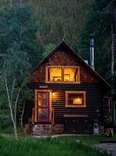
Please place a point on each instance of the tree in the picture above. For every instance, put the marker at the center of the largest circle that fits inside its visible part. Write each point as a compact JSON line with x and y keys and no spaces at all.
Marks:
{"x":99,"y":24}
{"x":15,"y":70}
{"x":18,"y":24}
{"x":48,"y":48}
{"x":59,"y":20}
{"x":19,"y":44}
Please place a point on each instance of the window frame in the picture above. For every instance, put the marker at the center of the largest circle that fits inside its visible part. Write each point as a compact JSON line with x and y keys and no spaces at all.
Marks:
{"x":37,"y":91}
{"x":62,"y":76}
{"x":75,"y":92}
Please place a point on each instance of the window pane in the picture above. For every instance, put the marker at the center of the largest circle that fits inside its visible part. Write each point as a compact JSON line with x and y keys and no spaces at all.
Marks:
{"x":75,"y":99}
{"x":55,"y":74}
{"x":42,"y":114}
{"x":42,"y":99}
{"x":69,"y":74}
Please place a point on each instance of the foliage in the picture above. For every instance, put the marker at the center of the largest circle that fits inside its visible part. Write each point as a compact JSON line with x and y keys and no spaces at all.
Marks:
{"x":108,"y":119}
{"x":74,"y":21}
{"x":98,"y":22}
{"x":21,"y":52}
{"x":48,"y":48}
{"x":18,"y":26}
{"x":60,"y":19}
{"x":5,"y":121}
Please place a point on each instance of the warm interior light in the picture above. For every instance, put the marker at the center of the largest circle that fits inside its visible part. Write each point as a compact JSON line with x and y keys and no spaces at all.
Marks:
{"x":55,"y":74}
{"x":69,"y":74}
{"x":77,"y":100}
{"x":67,"y":77}
{"x":60,"y":74}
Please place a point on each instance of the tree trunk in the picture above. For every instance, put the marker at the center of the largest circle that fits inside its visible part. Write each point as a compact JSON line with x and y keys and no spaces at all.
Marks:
{"x":11,"y":110}
{"x":22,"y":114}
{"x":15,"y":106}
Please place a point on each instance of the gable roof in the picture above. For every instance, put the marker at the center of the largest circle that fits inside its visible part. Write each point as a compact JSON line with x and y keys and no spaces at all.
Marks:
{"x":64,"y":46}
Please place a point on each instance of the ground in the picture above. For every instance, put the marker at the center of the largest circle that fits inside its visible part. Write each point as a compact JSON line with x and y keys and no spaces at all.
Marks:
{"x":108,"y":146}
{"x":63,"y":146}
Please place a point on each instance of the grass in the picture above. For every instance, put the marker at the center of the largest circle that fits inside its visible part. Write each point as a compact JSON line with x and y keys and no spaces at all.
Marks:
{"x":88,"y":139}
{"x":65,"y":146}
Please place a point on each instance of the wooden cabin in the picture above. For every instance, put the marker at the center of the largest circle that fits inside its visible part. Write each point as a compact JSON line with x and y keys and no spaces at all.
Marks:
{"x":69,"y":96}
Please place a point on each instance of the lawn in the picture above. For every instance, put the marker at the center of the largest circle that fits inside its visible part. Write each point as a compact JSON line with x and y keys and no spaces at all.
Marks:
{"x":63,"y":146}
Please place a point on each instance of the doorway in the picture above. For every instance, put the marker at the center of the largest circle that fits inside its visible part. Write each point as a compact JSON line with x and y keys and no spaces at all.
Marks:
{"x":42,"y":106}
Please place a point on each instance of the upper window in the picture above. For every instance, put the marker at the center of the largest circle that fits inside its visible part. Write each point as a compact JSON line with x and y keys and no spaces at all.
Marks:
{"x":62,"y":74}
{"x":55,"y":74}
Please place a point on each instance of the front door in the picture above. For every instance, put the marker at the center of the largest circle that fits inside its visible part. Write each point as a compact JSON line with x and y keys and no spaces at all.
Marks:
{"x":42,"y":106}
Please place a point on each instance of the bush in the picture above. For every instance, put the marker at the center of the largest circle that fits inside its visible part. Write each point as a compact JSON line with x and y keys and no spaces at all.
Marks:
{"x":5,"y":124}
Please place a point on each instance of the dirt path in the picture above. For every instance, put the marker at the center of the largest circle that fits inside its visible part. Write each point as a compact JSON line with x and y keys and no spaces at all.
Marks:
{"x":109,"y":147}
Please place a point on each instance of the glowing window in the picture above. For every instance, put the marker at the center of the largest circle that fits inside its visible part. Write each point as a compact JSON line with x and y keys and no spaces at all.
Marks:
{"x":63,"y":74}
{"x":55,"y":74}
{"x":75,"y":99}
{"x":70,"y":74}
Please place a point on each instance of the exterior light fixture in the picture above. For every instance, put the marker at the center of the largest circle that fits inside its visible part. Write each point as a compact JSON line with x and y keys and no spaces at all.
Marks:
{"x":53,"y":94}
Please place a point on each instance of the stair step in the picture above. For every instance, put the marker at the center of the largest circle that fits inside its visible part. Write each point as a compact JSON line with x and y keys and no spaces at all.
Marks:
{"x":47,"y":129}
{"x":42,"y":129}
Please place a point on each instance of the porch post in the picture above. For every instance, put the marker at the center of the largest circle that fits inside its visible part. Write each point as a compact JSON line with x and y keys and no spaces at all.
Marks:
{"x":36,"y":108}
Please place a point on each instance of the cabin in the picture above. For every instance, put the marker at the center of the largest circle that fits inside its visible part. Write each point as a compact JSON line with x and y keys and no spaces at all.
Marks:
{"x":68,"y":95}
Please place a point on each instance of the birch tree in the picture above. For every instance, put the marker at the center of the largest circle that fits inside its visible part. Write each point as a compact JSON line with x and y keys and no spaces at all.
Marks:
{"x":18,"y":43}
{"x":15,"y":70}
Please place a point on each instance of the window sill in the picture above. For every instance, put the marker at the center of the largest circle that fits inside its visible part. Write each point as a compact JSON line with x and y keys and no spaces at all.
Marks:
{"x":67,"y":82}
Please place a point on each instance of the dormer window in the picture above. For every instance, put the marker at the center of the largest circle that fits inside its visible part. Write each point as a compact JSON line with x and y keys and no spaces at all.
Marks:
{"x":62,"y":74}
{"x":55,"y":74}
{"x":71,"y":74}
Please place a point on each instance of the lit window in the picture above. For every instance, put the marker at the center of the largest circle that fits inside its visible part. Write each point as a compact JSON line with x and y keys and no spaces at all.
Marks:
{"x":70,"y":74}
{"x":55,"y":74}
{"x":62,"y":74}
{"x":75,"y":99}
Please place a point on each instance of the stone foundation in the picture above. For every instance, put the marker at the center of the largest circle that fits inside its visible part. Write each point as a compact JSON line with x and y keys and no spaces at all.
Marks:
{"x":58,"y":129}
{"x":47,"y":129}
{"x":42,"y":129}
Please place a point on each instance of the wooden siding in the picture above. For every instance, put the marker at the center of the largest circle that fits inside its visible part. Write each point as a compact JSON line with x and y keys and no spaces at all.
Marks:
{"x":93,"y":103}
{"x":62,"y":58}
{"x":58,"y":106}
{"x":87,"y":115}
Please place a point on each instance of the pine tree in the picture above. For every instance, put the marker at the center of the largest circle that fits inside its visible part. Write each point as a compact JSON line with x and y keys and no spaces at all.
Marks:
{"x":99,"y":24}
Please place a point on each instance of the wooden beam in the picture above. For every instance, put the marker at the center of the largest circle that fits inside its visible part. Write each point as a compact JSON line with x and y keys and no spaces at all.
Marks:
{"x":76,"y":115}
